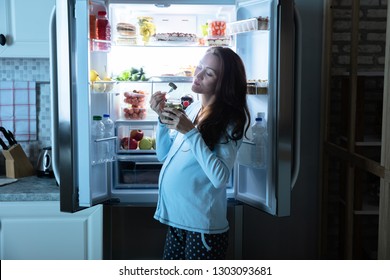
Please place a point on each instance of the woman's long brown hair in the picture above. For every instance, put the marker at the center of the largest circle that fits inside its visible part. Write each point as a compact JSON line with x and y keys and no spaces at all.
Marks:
{"x":229,"y":107}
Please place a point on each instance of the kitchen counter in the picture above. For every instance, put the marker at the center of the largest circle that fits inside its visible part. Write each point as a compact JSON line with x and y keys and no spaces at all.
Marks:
{"x":31,"y":188}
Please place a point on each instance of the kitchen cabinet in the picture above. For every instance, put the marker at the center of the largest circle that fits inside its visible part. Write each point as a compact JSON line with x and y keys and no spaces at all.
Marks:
{"x":355,"y":196}
{"x":37,"y":230}
{"x":25,"y":27}
{"x":131,"y":233}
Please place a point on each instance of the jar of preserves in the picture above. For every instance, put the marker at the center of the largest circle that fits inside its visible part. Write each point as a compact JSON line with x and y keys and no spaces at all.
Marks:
{"x":173,"y":103}
{"x":146,"y":28}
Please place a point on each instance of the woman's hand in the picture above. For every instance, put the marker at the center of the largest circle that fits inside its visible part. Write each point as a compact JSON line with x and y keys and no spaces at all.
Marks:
{"x":176,"y":119}
{"x":157,"y":102}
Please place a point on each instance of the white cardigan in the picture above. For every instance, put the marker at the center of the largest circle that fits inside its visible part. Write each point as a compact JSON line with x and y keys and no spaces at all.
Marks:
{"x":192,"y":183}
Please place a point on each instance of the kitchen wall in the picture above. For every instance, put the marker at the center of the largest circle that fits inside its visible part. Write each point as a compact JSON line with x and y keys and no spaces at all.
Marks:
{"x":37,"y":70}
{"x":371,"y":57}
{"x":372,"y":35}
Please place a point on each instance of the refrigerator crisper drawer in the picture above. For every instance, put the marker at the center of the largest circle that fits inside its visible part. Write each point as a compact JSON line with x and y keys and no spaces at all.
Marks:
{"x":137,"y":172}
{"x":136,"y":137}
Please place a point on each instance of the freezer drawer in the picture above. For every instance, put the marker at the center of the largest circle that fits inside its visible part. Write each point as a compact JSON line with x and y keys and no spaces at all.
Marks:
{"x":137,"y":172}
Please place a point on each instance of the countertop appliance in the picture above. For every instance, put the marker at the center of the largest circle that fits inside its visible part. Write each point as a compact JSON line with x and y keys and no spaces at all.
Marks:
{"x":44,"y":163}
{"x":272,"y":54}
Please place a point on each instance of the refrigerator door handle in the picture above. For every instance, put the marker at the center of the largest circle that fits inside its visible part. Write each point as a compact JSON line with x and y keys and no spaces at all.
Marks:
{"x":54,"y":93}
{"x":297,"y":102}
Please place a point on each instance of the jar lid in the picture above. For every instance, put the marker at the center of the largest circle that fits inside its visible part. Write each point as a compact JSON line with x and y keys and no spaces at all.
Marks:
{"x":102,"y":13}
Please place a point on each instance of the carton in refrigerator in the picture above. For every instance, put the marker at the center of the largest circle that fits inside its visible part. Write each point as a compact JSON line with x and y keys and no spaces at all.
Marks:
{"x":17,"y":164}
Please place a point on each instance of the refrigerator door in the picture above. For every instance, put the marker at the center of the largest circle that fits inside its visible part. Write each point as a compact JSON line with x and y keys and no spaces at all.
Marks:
{"x":269,"y":55}
{"x":81,"y":183}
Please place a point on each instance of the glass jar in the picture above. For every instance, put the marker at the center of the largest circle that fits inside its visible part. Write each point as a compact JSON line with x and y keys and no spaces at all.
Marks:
{"x":146,"y":28}
{"x":174,"y":104}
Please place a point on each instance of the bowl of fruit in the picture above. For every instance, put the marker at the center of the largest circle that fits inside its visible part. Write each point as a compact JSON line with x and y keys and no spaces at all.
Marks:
{"x":99,"y":85}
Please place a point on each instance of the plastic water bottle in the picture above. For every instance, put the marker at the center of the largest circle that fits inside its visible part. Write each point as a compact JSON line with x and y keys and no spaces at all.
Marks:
{"x":259,"y":133}
{"x":108,"y":126}
{"x":97,"y":132}
{"x":109,"y":132}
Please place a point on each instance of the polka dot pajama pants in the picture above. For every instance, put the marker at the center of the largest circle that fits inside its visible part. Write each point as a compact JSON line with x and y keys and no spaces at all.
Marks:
{"x":188,"y":245}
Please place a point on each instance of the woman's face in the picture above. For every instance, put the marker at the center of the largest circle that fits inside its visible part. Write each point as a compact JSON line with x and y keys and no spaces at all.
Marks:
{"x":206,"y":75}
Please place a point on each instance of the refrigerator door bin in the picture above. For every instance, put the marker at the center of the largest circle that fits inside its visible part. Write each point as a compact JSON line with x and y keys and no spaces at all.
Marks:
{"x":103,"y":150}
{"x":259,"y":194}
{"x":247,"y":25}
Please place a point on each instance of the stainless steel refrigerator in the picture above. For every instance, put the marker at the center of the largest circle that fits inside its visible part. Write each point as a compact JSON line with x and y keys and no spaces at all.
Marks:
{"x":273,"y":55}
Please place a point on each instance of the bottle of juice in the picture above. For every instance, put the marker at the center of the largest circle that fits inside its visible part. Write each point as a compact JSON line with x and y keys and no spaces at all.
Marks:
{"x":92,"y":25}
{"x":92,"y":22}
{"x":103,"y":29}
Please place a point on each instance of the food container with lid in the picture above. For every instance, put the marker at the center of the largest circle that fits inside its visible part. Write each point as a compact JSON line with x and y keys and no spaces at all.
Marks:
{"x":216,"y":28}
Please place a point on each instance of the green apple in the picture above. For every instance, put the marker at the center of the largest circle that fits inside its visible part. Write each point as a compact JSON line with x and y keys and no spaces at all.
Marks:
{"x":145,"y":143}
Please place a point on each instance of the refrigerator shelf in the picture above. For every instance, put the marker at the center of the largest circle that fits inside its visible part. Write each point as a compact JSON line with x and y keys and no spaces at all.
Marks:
{"x":159,"y":79}
{"x":167,"y":79}
{"x":136,"y":123}
{"x":100,"y":45}
{"x":103,"y":86}
{"x":159,"y":45}
{"x":136,"y":152}
{"x":247,"y":25}
{"x":102,"y":161}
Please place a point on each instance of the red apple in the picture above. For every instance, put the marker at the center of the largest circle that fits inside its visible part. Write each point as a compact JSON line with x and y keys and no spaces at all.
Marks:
{"x":137,"y":134}
{"x":125,"y":143}
{"x":133,"y":144}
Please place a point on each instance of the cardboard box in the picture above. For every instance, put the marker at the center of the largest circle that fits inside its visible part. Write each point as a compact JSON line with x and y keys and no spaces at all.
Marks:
{"x":17,"y":164}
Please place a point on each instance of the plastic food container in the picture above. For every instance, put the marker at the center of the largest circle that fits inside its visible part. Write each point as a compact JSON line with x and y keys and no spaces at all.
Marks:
{"x":131,"y":137}
{"x":135,"y":98}
{"x":134,"y":113}
{"x":217,"y":41}
{"x":216,"y":28}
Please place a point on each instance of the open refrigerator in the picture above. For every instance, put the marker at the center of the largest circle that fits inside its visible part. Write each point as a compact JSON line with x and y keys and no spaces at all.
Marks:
{"x":271,"y":55}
